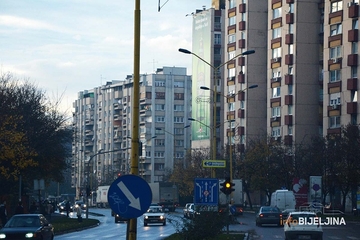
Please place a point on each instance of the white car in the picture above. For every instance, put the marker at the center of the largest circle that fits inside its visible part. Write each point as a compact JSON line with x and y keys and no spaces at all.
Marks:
{"x":154,"y":214}
{"x":302,"y":225}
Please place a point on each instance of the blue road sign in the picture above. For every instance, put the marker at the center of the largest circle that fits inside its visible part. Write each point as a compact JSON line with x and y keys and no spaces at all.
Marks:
{"x":129,"y":196}
{"x":206,"y":191}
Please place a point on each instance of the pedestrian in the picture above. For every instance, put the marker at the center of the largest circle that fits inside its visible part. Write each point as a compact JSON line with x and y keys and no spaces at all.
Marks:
{"x":78,"y":214}
{"x":67,"y":207}
{"x":19,"y":209}
{"x":33,"y":207}
{"x":3,"y":213}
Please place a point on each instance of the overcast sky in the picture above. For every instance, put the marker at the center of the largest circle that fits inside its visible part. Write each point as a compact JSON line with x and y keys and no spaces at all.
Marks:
{"x":66,"y":46}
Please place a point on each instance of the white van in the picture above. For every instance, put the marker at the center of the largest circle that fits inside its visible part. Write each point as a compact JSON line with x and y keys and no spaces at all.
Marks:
{"x":283,"y":199}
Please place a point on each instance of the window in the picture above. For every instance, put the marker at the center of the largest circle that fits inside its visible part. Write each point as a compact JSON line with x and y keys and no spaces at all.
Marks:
{"x":231,"y":55}
{"x":231,"y":38}
{"x":290,"y":109}
{"x":290,"y":89}
{"x":290,"y":130}
{"x":232,"y":106}
{"x":232,"y":20}
{"x":354,"y":96}
{"x":276,"y":72}
{"x":290,"y":70}
{"x":276,"y":132}
{"x":276,"y":52}
{"x":159,"y":154}
{"x":242,"y":35}
{"x":291,"y":28}
{"x":334,"y":99}
{"x":276,"y":92}
{"x":231,"y":72}
{"x":291,"y":8}
{"x":160,"y":83}
{"x":354,"y":47}
{"x":160,"y":107}
{"x":335,"y":75}
{"x":160,"y":95}
{"x":242,"y":104}
{"x":243,"y":16}
{"x":276,"y":111}
{"x":178,"y":96}
{"x":354,"y":72}
{"x":335,"y":29}
{"x":334,"y":122}
{"x":291,"y":49}
{"x":178,"y":108}
{"x":179,"y":84}
{"x":276,"y":12}
{"x":178,"y":119}
{"x":276,"y":32}
{"x":336,"y":6}
{"x":160,"y":119}
{"x":335,"y":52}
{"x":217,"y":38}
{"x":321,"y":95}
{"x":232,"y":3}
{"x":178,"y":131}
{"x":179,"y":143}
{"x":355,"y":24}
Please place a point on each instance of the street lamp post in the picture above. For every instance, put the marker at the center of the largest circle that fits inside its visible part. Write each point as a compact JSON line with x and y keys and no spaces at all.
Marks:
{"x":215,"y":78}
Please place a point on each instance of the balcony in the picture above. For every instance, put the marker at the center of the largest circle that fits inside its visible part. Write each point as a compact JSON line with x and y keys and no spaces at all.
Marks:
{"x":288,"y":120}
{"x":289,"y":18}
{"x":241,"y":78}
{"x":289,"y":100}
{"x":353,"y":11}
{"x":289,"y":79}
{"x":352,"y":84}
{"x":352,"y":60}
{"x":351,"y":108}
{"x":242,"y":26}
{"x":353,"y":35}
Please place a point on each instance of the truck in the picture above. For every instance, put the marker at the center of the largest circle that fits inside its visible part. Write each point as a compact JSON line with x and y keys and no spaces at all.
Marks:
{"x":101,"y":197}
{"x":236,"y":198}
{"x":165,"y":194}
{"x":283,"y":199}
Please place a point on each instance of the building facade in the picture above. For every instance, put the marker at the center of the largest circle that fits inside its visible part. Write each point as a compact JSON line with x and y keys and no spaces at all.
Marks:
{"x":102,"y":128}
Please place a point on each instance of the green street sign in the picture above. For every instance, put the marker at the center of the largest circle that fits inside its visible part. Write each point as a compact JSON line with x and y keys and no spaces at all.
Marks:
{"x":214,"y":163}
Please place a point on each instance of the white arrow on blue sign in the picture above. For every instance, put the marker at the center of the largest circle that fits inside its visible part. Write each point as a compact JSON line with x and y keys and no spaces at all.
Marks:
{"x":129,"y":196}
{"x":206,"y":191}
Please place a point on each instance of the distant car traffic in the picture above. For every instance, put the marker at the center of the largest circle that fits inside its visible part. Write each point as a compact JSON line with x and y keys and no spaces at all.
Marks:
{"x":118,"y":218}
{"x":27,"y":226}
{"x":62,"y":207}
{"x":186,"y":209}
{"x":192,"y":211}
{"x":80,"y":204}
{"x":310,"y":230}
{"x":154,"y":214}
{"x":268,"y":215}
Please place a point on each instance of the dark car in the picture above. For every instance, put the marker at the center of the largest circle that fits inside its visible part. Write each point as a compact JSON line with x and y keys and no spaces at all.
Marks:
{"x":62,"y":207}
{"x":268,"y":215}
{"x":27,"y":226}
{"x":118,"y":218}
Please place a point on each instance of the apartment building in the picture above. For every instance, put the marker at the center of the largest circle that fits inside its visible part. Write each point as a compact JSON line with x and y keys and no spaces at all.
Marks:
{"x":102,"y":124}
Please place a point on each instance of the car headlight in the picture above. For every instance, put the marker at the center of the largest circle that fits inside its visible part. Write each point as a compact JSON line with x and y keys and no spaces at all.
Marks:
{"x":146,"y":217}
{"x":162,"y":217}
{"x":2,"y":236}
{"x":30,"y":235}
{"x":84,"y":205}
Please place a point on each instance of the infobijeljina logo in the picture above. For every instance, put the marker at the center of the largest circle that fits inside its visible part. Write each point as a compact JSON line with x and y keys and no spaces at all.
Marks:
{"x":327,"y":221}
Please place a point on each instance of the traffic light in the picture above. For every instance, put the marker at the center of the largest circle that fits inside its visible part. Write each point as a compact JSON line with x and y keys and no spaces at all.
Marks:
{"x":227,"y":187}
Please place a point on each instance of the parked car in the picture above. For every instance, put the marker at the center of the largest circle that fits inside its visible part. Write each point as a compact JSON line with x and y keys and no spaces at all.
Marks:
{"x":27,"y":226}
{"x":154,"y":214}
{"x":311,"y":230}
{"x":186,"y":209}
{"x":268,"y":215}
{"x":80,"y":204}
{"x":62,"y":206}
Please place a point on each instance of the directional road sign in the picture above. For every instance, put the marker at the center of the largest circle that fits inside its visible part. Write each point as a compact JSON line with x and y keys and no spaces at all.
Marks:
{"x":214,"y":163}
{"x":129,"y":196}
{"x":206,"y":191}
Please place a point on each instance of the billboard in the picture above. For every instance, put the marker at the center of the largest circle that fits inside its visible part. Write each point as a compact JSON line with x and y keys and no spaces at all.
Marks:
{"x":201,"y":99}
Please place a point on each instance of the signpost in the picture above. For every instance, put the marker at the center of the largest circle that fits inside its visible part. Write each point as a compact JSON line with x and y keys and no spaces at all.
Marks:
{"x":206,"y":191}
{"x":214,"y":163}
{"x":129,"y":196}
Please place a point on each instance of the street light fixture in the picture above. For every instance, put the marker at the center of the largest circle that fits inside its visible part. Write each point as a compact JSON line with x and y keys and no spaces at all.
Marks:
{"x":215,"y":70}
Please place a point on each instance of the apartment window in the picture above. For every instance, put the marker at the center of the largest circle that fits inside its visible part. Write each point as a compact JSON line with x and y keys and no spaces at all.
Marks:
{"x":243,"y":16}
{"x":291,"y":49}
{"x":336,"y":6}
{"x":232,"y":3}
{"x":354,"y":72}
{"x":335,"y":75}
{"x":335,"y":29}
{"x":232,"y":20}
{"x":160,"y":83}
{"x":276,"y":111}
{"x":290,"y":130}
{"x":321,"y":95}
{"x":276,"y":72}
{"x":276,"y":32}
{"x":334,"y":99}
{"x":354,"y":96}
{"x":178,"y":108}
{"x":276,"y":12}
{"x":335,"y":52}
{"x":355,"y":24}
{"x":231,"y":72}
{"x":276,"y":132}
{"x":334,"y":122}
{"x":354,"y":47}
{"x":160,"y":95}
{"x":232,"y":106}
{"x":242,"y":35}
{"x":291,"y":28}
{"x":178,"y":96}
{"x":159,"y":154}
{"x":217,"y":38}
{"x":231,"y":54}
{"x":290,"y":70}
{"x":242,"y":104}
{"x":179,"y":131}
{"x":231,"y":38}
{"x":159,"y":132}
{"x":159,"y":142}
{"x":178,"y":119}
{"x":291,"y":8}
{"x":290,"y":109}
{"x":160,"y":107}
{"x":179,"y":84}
{"x":179,"y":143}
{"x":276,"y":52}
{"x":290,"y":89}
{"x":356,"y":1}
{"x":276,"y":92}
{"x":160,"y":119}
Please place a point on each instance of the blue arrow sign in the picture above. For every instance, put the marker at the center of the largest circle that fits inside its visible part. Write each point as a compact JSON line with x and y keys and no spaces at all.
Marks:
{"x":206,"y":191}
{"x":129,"y":196}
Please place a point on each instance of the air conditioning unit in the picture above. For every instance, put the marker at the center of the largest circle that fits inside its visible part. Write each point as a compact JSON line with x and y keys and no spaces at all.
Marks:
{"x":335,"y":60}
{"x":275,"y":118}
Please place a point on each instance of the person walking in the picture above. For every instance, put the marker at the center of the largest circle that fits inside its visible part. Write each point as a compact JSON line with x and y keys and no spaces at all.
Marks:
{"x":67,"y":207}
{"x":3,"y":213}
{"x":78,"y":214}
{"x":19,"y":209}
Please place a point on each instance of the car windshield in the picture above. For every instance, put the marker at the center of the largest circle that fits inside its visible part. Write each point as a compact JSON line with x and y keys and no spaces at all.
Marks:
{"x":270,"y":209}
{"x":23,"y":221}
{"x":154,"y":210}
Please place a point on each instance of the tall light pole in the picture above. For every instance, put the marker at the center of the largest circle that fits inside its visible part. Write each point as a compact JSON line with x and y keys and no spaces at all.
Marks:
{"x":215,"y":78}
